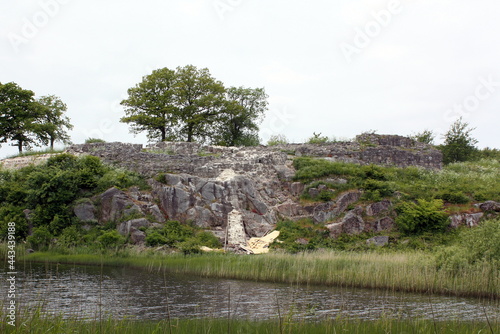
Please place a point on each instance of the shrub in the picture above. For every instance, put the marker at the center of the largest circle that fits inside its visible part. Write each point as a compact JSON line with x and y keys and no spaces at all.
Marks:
{"x":382,"y":188}
{"x":155,"y":239}
{"x":317,"y":139}
{"x":422,"y":216}
{"x":110,"y":239}
{"x":40,"y":238}
{"x":275,"y":140}
{"x":190,"y":246}
{"x":94,"y":140}
{"x":453,"y":197}
{"x":70,"y":237}
{"x":208,"y":239}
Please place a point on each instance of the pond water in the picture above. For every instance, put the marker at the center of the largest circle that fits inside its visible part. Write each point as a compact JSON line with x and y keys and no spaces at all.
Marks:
{"x":91,"y":292}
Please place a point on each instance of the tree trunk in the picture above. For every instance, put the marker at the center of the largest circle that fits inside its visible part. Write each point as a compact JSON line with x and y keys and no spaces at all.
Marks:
{"x":190,"y":133}
{"x":52,"y":140}
{"x":163,"y":134}
{"x":20,"y":146}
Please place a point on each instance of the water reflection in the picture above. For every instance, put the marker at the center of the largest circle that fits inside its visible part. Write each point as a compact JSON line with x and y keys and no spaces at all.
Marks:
{"x":93,"y":292}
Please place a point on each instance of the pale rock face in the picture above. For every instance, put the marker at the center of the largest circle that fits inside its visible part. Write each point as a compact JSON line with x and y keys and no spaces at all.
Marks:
{"x":235,"y":231}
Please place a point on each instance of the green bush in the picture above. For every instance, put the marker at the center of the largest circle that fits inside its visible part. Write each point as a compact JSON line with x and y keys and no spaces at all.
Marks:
{"x":155,"y":238}
{"x":275,"y":140}
{"x":110,"y":239}
{"x":291,"y":231}
{"x":70,"y":237}
{"x":317,"y":139}
{"x":94,"y":140}
{"x":190,"y":246}
{"x":453,"y":197}
{"x":40,"y":239}
{"x":208,"y":239}
{"x":422,"y":216}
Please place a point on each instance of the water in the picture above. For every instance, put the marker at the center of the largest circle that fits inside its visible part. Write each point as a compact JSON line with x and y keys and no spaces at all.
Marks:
{"x":91,"y":292}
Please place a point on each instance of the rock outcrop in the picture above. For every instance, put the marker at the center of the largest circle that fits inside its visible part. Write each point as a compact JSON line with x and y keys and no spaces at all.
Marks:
{"x":239,"y":192}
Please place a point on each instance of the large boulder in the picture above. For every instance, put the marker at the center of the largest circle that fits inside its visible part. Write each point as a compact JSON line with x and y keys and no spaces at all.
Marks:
{"x":377,"y":208}
{"x":490,"y":206}
{"x":116,"y":204}
{"x":85,"y":212}
{"x":465,"y":219}
{"x":352,"y":223}
{"x":125,"y":228}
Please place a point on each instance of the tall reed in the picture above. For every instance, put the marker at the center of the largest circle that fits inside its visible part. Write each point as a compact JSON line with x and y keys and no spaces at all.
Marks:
{"x":409,"y":271}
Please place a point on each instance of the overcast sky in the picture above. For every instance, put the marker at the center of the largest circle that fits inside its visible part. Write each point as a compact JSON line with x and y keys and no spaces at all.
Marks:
{"x":338,"y":68}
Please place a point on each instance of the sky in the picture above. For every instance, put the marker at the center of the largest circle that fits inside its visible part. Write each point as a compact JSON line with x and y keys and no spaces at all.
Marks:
{"x":338,"y":68}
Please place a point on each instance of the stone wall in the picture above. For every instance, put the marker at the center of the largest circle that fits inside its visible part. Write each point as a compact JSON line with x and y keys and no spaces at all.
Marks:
{"x":210,"y":161}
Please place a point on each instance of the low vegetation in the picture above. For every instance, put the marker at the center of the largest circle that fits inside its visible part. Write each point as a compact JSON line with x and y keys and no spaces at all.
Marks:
{"x":37,"y":323}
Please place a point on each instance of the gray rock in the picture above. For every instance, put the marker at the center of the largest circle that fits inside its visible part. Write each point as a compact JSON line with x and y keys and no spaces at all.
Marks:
{"x":313,"y":192}
{"x":126,"y":227}
{"x":346,"y":199}
{"x":85,"y":212}
{"x":378,"y":241}
{"x":335,"y":229}
{"x":378,"y":208}
{"x":284,"y":173}
{"x":115,"y":204}
{"x":384,"y":224}
{"x":137,"y":237}
{"x":323,"y":212}
{"x":465,"y":219}
{"x":352,"y":223}
{"x":290,"y":209}
{"x":490,"y":206}
{"x":297,"y":188}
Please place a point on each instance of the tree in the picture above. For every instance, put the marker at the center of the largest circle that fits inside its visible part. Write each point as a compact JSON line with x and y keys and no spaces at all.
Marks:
{"x":19,"y":114}
{"x":151,"y":105}
{"x":244,"y":110}
{"x":458,"y":145}
{"x":188,"y":104}
{"x":200,"y":99}
{"x":54,"y":124}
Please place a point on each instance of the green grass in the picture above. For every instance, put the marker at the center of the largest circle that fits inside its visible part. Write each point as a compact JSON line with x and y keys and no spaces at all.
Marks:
{"x":393,"y":271}
{"x":37,"y":323}
{"x":34,"y":153}
{"x":478,"y":180}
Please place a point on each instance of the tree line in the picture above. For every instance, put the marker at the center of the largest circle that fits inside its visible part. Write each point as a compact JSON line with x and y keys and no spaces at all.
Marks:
{"x":183,"y":104}
{"x":28,"y":121}
{"x":189,"y":104}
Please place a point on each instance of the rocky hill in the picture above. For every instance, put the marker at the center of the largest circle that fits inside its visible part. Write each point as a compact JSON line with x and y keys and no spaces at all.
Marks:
{"x":241,"y":192}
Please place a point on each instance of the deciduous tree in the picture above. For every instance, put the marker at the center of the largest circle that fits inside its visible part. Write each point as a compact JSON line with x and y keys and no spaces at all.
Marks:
{"x":458,"y":145}
{"x":19,"y":115}
{"x":54,"y":124}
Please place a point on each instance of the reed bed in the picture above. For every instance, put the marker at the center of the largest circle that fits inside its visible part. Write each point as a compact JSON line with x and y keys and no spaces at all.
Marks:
{"x":36,"y":322}
{"x":408,"y":272}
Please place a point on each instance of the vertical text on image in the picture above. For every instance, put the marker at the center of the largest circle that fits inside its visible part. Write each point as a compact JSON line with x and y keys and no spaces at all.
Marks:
{"x":11,"y":274}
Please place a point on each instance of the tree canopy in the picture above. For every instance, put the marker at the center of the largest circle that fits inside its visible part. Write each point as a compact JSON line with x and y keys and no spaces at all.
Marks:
{"x":29,"y":122}
{"x":458,"y":145}
{"x":188,"y":104}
